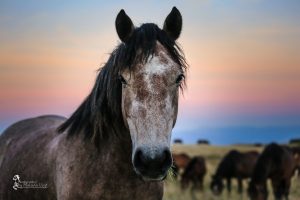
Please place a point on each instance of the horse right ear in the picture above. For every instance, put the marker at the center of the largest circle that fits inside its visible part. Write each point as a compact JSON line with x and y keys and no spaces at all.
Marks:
{"x":173,"y":24}
{"x":124,"y":26}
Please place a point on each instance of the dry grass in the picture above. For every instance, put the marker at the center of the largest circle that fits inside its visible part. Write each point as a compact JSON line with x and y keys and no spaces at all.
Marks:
{"x":213,"y":155}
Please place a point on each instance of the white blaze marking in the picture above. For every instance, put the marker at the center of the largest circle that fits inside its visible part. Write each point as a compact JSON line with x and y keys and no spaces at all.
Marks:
{"x":155,"y":66}
{"x":157,"y":126}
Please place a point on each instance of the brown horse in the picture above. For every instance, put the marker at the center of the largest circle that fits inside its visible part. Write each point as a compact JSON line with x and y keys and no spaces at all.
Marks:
{"x":116,"y":145}
{"x":277,"y":163}
{"x":235,"y":164}
{"x":194,"y":173}
{"x":180,"y":161}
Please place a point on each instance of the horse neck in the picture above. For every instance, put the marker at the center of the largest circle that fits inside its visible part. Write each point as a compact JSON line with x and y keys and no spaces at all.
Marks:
{"x":110,"y":150}
{"x":262,"y":169}
{"x":223,"y":169}
{"x":220,"y":174}
{"x":120,"y":147}
{"x":117,"y":146}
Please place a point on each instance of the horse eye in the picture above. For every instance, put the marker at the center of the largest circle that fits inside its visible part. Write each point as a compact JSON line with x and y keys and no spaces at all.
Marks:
{"x":122,"y":79}
{"x":179,"y":78}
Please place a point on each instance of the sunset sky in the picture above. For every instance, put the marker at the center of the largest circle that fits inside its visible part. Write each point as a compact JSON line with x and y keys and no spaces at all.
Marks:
{"x":244,"y":56}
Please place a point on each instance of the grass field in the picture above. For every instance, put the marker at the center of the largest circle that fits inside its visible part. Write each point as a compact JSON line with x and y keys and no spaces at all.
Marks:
{"x":213,"y":155}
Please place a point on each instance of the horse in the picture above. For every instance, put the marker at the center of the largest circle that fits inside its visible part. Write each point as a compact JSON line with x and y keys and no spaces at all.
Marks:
{"x":296,"y":154}
{"x":180,"y":162}
{"x":234,"y":164}
{"x":116,"y":145}
{"x":194,"y":173}
{"x":277,"y":163}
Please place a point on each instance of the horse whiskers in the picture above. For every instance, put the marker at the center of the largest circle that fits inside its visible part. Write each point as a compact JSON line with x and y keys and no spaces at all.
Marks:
{"x":171,"y":173}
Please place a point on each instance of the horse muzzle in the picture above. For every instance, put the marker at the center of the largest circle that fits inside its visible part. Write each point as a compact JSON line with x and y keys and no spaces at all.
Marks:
{"x":152,"y":163}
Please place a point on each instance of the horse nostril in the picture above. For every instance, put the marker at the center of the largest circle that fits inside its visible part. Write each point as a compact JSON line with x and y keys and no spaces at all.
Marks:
{"x":139,"y":159}
{"x":152,"y":162}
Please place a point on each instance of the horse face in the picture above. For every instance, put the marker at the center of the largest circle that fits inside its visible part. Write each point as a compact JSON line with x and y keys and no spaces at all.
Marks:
{"x":149,"y":106}
{"x":150,"y":101}
{"x":257,"y":192}
{"x":216,"y":185}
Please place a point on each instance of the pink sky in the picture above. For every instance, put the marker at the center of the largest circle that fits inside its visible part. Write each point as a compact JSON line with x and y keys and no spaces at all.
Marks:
{"x":244,"y":57}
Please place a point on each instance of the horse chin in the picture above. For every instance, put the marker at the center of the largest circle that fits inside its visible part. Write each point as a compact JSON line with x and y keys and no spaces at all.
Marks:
{"x":148,"y":178}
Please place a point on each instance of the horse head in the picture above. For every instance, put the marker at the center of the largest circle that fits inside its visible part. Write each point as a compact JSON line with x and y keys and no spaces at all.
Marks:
{"x":216,"y":185}
{"x":150,"y":90}
{"x":257,"y":191}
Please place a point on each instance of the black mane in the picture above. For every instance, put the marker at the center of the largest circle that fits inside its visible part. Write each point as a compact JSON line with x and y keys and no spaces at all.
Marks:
{"x":100,"y":112}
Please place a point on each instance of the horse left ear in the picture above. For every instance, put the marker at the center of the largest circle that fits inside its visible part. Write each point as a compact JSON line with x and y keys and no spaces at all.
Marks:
{"x":173,"y":24}
{"x":124,"y":26}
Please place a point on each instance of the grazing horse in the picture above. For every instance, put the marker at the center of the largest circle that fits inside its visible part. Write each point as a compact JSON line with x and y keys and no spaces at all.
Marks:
{"x":180,"y":161}
{"x":116,"y":145}
{"x":277,"y":163}
{"x":296,"y":154}
{"x":194,"y":173}
{"x":235,"y":164}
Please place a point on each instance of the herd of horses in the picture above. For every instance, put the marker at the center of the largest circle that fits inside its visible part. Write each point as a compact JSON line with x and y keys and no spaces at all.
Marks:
{"x":276,"y":162}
